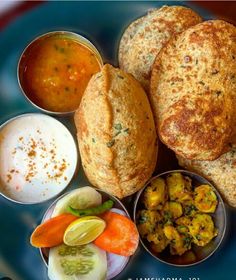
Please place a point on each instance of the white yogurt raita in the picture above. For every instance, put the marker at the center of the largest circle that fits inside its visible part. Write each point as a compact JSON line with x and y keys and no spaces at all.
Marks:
{"x":38,"y":158}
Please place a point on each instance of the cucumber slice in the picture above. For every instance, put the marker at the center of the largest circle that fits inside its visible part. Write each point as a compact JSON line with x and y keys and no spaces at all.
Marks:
{"x":81,"y":198}
{"x":85,"y":262}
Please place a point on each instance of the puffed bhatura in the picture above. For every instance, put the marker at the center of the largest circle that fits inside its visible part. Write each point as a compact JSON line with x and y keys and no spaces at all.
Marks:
{"x":116,"y":133}
{"x":221,"y":172}
{"x":145,"y":37}
{"x":192,"y":84}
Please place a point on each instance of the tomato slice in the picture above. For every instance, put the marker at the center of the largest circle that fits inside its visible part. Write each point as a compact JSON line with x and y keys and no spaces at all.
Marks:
{"x":120,"y":235}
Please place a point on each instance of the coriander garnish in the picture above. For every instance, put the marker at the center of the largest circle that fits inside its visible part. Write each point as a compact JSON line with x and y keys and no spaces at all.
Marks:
{"x":110,"y":143}
{"x":118,"y":126}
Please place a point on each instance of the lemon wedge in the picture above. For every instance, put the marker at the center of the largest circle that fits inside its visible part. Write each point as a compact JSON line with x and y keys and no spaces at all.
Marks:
{"x":84,"y":230}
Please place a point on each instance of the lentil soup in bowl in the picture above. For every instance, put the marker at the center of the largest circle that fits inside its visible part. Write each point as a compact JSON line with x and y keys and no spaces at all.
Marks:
{"x":54,"y":70}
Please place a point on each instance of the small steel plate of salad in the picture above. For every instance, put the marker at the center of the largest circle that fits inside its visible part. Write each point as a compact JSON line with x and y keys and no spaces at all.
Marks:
{"x":85,"y":234}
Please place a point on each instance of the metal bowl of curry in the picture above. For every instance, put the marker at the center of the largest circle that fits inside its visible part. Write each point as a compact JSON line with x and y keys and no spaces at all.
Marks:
{"x":181,"y":218}
{"x":54,"y":70}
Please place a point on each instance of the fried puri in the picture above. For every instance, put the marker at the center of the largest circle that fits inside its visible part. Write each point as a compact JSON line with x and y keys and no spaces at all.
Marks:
{"x":145,"y":37}
{"x":116,"y":133}
{"x":192,"y":86}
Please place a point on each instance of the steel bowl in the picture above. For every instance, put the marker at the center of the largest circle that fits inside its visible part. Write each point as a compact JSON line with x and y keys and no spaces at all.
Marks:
{"x":112,"y":272}
{"x":197,"y":254}
{"x":33,"y":192}
{"x":23,"y":58}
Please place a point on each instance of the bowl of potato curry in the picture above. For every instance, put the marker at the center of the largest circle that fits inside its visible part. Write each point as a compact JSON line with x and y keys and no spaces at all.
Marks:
{"x":181,"y":218}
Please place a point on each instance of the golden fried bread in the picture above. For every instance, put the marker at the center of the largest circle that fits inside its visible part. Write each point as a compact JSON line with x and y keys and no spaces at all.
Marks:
{"x":126,"y":39}
{"x":221,"y":172}
{"x":116,"y":133}
{"x":144,"y":38}
{"x":192,"y":84}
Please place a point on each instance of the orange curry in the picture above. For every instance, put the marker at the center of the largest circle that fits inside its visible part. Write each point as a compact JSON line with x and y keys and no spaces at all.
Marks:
{"x":56,"y":72}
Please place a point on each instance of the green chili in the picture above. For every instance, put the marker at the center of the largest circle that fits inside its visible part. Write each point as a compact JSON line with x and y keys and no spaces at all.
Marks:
{"x":91,"y":211}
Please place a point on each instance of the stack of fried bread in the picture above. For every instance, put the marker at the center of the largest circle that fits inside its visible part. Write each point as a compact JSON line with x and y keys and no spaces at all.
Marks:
{"x":188,"y":69}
